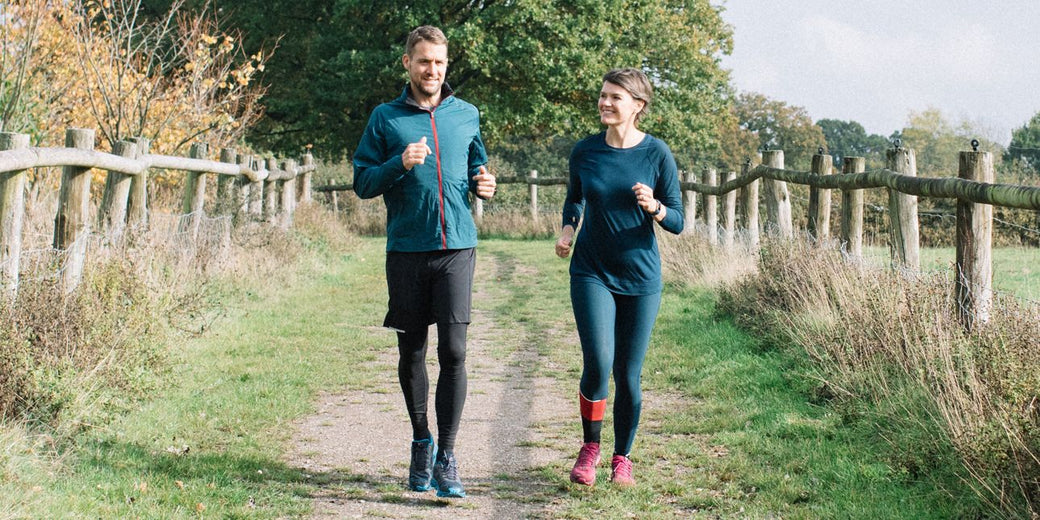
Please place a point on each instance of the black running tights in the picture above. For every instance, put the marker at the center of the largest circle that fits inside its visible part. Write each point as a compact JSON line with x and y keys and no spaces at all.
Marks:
{"x":451,"y":383}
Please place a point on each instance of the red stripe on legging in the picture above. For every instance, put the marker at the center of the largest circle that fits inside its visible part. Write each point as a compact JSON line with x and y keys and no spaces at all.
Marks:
{"x":592,"y":410}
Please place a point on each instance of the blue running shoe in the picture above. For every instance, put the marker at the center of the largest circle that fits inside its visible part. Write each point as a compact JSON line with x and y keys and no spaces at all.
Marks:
{"x":446,"y":477}
{"x":421,"y":470}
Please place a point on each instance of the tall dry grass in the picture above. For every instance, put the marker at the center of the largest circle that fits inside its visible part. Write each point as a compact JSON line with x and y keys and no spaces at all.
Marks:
{"x":689,"y":259}
{"x":894,"y":340}
{"x":69,"y":359}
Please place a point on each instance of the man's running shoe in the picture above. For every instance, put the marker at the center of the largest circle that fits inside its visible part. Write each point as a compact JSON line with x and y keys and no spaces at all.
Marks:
{"x":446,"y":477}
{"x":584,"y":471}
{"x":621,"y":471}
{"x":421,"y":469}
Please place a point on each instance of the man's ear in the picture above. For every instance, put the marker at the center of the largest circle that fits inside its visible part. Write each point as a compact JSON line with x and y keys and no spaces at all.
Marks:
{"x":405,"y":59}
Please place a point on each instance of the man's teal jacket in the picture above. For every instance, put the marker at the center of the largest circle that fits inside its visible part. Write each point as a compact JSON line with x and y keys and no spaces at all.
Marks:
{"x":427,"y":207}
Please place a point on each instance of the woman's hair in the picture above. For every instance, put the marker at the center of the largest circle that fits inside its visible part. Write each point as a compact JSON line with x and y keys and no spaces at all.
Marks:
{"x":427,"y":33}
{"x":637,"y":85}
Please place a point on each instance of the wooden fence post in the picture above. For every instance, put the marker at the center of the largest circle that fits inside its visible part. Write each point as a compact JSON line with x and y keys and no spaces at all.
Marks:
{"x":194,"y":194}
{"x":690,"y":202}
{"x":533,"y":193}
{"x":711,"y":211}
{"x":256,"y":190}
{"x":729,"y":213}
{"x":333,"y":199}
{"x":270,"y":212}
{"x":112,"y":214}
{"x":819,"y":226}
{"x":227,"y":186}
{"x":902,"y":213}
{"x":852,"y":210}
{"x":288,"y":194}
{"x":974,"y":290}
{"x":72,"y":222}
{"x":478,"y":210}
{"x":245,"y":189}
{"x":12,"y":214}
{"x":778,"y":200}
{"x":749,"y":207}
{"x":137,"y":203}
{"x":304,"y":192}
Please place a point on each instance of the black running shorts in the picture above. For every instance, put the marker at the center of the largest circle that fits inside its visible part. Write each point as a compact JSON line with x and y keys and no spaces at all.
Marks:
{"x":429,"y":287}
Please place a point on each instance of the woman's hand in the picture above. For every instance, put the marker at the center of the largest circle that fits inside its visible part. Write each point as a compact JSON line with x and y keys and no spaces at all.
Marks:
{"x":646,"y":201}
{"x":563,"y":244}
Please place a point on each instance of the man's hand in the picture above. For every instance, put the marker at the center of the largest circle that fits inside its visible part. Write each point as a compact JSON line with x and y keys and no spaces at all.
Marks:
{"x":563,"y":244}
{"x":415,"y":153}
{"x":486,"y":184}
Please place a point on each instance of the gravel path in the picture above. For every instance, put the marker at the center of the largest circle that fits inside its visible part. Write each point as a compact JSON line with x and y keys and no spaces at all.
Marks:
{"x":513,"y":427}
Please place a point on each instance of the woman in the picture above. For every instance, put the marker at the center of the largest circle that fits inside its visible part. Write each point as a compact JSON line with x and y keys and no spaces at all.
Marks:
{"x":622,"y":182}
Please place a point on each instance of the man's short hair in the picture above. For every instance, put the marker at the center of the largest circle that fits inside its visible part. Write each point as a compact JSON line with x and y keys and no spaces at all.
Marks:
{"x":426,"y":33}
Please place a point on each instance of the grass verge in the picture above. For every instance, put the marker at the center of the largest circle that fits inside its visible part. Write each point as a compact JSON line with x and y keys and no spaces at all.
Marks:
{"x":744,"y":430}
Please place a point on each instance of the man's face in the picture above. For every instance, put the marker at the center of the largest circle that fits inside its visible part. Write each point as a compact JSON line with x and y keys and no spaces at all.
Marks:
{"x":427,"y":66}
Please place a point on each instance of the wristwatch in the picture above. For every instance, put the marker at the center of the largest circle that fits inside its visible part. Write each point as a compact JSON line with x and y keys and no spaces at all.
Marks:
{"x":658,"y":210}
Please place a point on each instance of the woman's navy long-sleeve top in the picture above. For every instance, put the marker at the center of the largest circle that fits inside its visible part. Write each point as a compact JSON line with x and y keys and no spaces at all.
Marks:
{"x":616,"y":245}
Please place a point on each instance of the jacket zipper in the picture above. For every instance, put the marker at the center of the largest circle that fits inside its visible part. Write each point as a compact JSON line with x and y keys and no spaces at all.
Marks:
{"x":440,"y":181}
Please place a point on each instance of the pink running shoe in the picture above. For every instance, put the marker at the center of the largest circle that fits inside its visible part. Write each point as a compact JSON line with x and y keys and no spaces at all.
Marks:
{"x":621,"y":471}
{"x":584,"y":471}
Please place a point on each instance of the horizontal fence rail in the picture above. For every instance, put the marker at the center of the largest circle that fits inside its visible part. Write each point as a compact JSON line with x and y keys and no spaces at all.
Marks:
{"x":258,"y":188}
{"x":1004,"y":195}
{"x":42,"y":157}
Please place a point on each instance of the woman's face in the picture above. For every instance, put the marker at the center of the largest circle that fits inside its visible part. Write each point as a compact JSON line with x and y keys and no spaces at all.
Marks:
{"x":617,"y":106}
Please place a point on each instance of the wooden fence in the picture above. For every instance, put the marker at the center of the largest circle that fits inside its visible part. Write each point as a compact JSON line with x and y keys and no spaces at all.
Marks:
{"x":247,"y":185}
{"x":973,"y":188}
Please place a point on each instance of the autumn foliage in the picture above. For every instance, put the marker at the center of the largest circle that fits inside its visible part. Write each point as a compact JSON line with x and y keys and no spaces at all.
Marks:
{"x":98,"y":64}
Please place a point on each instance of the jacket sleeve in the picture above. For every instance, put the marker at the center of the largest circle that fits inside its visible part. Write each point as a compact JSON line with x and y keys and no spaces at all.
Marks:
{"x":376,"y":170}
{"x":574,"y":202}
{"x":669,"y":193}
{"x":477,"y":158}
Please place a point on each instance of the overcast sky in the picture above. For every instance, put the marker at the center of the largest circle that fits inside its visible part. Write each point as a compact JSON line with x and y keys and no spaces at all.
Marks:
{"x":876,"y":61}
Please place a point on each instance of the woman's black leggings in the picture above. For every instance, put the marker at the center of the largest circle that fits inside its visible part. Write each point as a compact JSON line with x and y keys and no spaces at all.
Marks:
{"x":451,"y":383}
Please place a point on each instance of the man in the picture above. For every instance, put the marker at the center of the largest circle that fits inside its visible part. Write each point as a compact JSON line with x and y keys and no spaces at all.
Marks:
{"x":423,"y":152}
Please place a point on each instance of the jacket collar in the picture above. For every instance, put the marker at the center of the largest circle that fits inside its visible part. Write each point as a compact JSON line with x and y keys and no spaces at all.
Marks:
{"x":406,"y":97}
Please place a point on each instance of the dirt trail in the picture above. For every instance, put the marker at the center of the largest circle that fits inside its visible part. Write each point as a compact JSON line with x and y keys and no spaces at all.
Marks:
{"x":514,"y":424}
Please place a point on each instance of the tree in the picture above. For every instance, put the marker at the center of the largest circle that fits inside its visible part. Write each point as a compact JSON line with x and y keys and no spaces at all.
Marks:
{"x":850,"y":139}
{"x":1025,"y":145}
{"x":780,"y":126}
{"x":737,"y":144}
{"x":171,"y":78}
{"x":19,"y":35}
{"x":937,"y":142}
{"x":533,"y":68}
